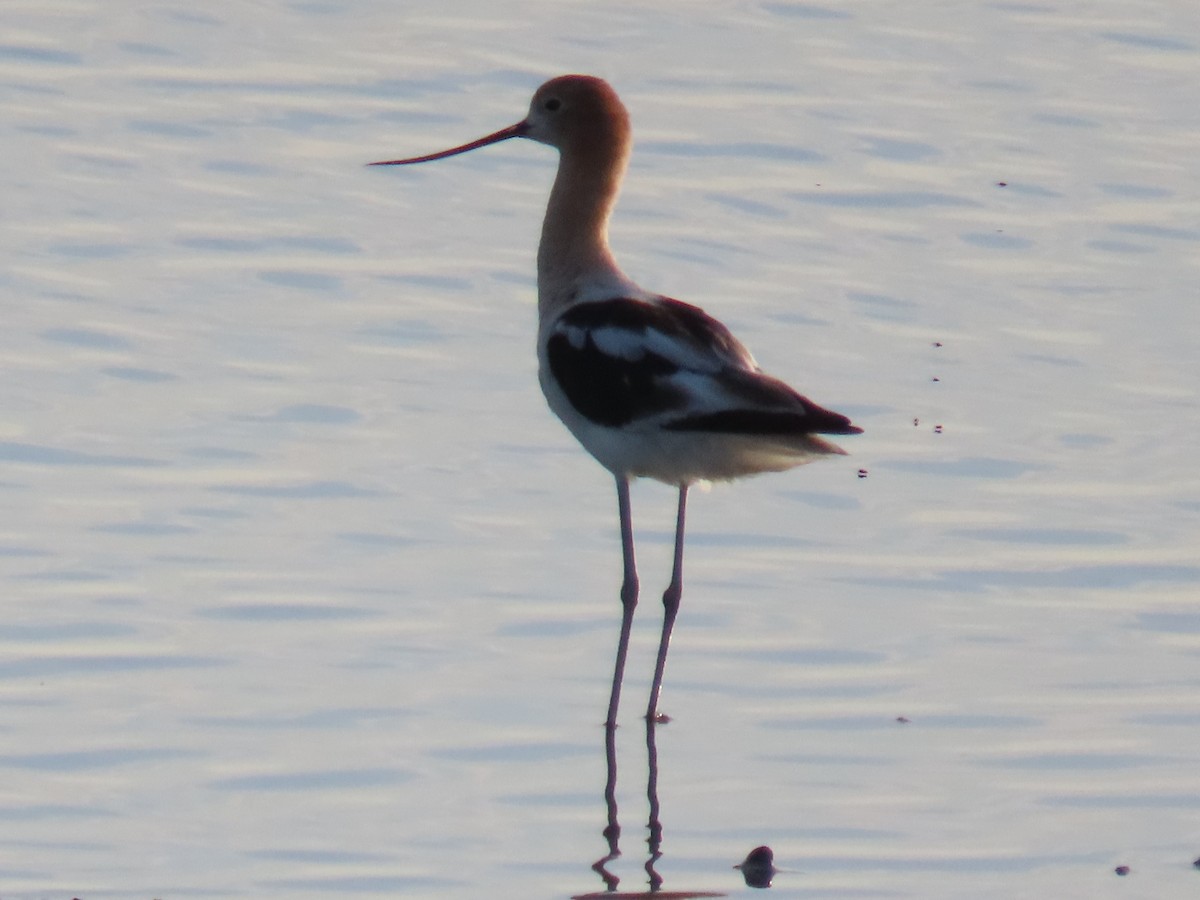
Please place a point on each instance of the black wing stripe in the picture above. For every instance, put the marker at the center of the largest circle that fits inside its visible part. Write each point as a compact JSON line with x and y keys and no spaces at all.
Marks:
{"x":689,"y":325}
{"x":763,"y":422}
{"x":610,"y":390}
{"x":604,"y":356}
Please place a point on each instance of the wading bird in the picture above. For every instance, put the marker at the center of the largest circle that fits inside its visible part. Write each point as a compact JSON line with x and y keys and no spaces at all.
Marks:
{"x":649,"y":385}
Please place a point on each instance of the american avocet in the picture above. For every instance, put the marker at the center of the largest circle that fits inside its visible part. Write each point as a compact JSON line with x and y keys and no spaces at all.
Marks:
{"x":649,"y":385}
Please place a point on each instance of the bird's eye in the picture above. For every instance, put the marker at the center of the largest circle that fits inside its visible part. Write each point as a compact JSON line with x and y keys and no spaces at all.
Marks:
{"x":552,"y":105}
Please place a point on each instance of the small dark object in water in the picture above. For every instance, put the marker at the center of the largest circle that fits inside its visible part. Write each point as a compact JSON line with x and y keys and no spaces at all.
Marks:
{"x":937,"y":429}
{"x":758,"y":868}
{"x":935,"y":378}
{"x":903,"y":720}
{"x":862,"y":473}
{"x":1122,"y":870}
{"x":1196,"y":862}
{"x":1001,"y":184}
{"x":916,"y":422}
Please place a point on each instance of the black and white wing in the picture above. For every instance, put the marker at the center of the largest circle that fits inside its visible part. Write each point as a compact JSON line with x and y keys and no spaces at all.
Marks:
{"x":622,"y":362}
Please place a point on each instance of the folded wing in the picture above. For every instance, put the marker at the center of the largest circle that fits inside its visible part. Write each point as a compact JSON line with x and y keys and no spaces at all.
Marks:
{"x":626,"y":362}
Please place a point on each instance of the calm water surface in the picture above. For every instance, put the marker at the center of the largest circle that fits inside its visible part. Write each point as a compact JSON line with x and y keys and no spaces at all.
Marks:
{"x":307,"y":595}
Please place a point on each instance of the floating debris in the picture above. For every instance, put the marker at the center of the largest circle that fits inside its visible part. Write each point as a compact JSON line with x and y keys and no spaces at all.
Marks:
{"x":758,"y":868}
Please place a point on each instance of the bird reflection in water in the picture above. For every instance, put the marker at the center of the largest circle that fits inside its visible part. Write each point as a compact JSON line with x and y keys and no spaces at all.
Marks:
{"x":612,"y":830}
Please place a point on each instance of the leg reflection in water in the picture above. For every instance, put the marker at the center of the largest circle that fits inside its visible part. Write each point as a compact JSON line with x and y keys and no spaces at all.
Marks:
{"x":612,"y":829}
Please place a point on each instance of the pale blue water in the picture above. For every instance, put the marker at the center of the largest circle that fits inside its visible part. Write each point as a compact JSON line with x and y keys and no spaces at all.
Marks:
{"x":306,"y":594}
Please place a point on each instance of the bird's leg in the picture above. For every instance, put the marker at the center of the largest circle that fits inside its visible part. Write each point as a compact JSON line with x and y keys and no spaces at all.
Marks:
{"x":629,"y":597}
{"x":671,"y":597}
